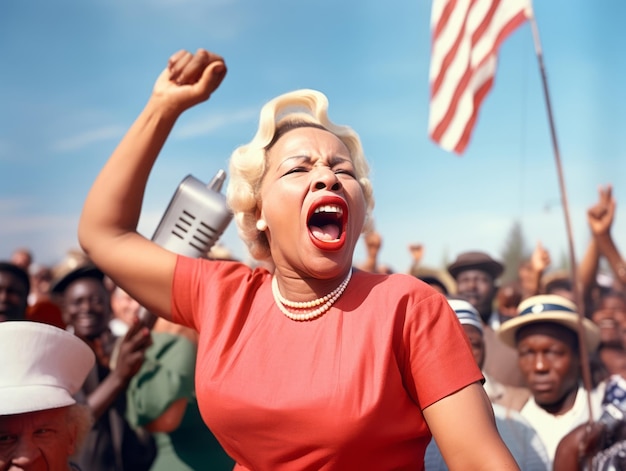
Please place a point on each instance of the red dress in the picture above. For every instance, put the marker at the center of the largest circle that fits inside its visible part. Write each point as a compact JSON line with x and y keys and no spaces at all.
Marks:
{"x":344,"y":391}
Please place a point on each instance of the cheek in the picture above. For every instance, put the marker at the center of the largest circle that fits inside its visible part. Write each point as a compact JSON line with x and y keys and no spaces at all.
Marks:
{"x":568,"y":370}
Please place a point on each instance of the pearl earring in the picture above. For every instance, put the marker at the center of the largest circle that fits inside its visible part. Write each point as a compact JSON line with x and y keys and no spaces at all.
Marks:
{"x":261,"y":225}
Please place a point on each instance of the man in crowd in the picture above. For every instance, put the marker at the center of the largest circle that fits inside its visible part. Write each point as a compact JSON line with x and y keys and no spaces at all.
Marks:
{"x":545,"y":335}
{"x":14,"y":289}
{"x":41,"y":426}
{"x":476,"y":275}
{"x":518,"y":435}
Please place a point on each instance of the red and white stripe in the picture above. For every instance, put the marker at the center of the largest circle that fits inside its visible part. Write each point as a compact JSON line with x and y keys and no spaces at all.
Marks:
{"x":466,"y":35}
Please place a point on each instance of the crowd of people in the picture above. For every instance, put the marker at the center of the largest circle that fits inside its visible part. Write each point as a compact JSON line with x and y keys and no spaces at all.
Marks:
{"x":310,"y":359}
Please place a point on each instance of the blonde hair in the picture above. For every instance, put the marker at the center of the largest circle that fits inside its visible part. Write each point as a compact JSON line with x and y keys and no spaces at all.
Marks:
{"x":248,"y":162}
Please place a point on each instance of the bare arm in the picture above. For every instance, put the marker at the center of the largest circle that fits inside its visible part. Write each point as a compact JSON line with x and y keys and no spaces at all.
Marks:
{"x":170,"y":419}
{"x":600,"y":218}
{"x":108,"y":225}
{"x":130,"y":356}
{"x":577,"y":446}
{"x":587,"y":272}
{"x":530,"y":275}
{"x":464,"y":428}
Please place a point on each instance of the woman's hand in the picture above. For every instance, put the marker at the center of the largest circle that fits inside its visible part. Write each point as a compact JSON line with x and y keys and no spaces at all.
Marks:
{"x":189,"y":79}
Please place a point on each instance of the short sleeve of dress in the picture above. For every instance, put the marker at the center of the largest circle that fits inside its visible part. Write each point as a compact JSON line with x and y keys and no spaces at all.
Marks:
{"x":203,"y":291}
{"x":438,"y":360}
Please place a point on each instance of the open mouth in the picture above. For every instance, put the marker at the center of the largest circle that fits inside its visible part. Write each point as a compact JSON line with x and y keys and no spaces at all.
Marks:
{"x":327,"y":222}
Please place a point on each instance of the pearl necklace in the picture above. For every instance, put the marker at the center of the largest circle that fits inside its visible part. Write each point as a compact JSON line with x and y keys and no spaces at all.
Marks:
{"x":324,"y":303}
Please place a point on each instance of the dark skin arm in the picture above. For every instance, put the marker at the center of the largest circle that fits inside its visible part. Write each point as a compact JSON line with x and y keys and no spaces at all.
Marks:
{"x":600,"y":218}
{"x":579,"y":444}
{"x":130,"y":356}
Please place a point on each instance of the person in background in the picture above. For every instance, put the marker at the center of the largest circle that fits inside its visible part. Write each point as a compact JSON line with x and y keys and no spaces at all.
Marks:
{"x":290,"y":362}
{"x":23,"y":258}
{"x":373,"y":243}
{"x":600,"y":218}
{"x":161,"y":398}
{"x":546,"y":337}
{"x":124,"y":309}
{"x":599,"y":445}
{"x":476,"y":274}
{"x":14,"y":289}
{"x":508,"y":298}
{"x":609,"y":314}
{"x":530,"y":273}
{"x":41,"y":424}
{"x":41,"y":307}
{"x":438,"y":279}
{"x":112,"y":444}
{"x":558,"y":282}
{"x":518,"y":435}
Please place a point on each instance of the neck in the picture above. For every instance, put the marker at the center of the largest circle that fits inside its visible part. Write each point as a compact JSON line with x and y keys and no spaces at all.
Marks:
{"x":297,"y":286}
{"x":563,"y":405}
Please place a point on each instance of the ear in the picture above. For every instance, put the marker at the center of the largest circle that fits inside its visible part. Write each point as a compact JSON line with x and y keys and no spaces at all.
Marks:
{"x":72,"y":432}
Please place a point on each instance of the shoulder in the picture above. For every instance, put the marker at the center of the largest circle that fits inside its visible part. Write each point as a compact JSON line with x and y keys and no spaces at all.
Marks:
{"x":397,"y":286}
{"x":193,"y":274}
{"x":404,"y":298}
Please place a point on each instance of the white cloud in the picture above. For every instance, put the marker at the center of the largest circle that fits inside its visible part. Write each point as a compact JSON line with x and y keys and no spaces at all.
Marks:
{"x":207,"y":125}
{"x":87,"y":138}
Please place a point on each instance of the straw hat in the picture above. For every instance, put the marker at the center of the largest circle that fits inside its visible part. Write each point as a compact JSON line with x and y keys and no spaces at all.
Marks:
{"x":548,"y":308}
{"x":43,"y":367}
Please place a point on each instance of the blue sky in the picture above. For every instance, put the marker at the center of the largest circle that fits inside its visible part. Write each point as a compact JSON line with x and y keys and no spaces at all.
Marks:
{"x":75,"y":74}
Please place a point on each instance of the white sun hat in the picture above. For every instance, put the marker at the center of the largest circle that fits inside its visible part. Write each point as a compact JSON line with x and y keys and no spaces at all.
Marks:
{"x":42,"y":367}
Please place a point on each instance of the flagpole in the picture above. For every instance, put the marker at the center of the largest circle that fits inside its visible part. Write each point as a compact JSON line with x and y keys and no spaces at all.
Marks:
{"x":570,"y":240}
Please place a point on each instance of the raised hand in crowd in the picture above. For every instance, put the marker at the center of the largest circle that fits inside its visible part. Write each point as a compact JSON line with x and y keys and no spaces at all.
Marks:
{"x":600,"y":218}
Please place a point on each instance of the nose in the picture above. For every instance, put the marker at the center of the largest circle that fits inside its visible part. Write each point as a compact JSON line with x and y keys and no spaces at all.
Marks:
{"x":540,"y":363}
{"x":325,"y":179}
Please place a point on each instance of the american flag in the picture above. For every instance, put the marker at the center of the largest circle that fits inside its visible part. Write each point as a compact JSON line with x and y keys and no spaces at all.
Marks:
{"x":466,"y":35}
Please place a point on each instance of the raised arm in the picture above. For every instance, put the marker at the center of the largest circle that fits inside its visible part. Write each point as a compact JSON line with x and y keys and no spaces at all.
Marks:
{"x":108,"y":225}
{"x":464,"y":428}
{"x":600,"y":218}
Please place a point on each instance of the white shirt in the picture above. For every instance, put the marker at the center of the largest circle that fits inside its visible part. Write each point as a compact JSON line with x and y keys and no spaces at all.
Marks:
{"x":552,"y":428}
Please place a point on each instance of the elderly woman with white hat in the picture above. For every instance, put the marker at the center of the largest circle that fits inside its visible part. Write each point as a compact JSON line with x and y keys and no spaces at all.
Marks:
{"x":41,"y":425}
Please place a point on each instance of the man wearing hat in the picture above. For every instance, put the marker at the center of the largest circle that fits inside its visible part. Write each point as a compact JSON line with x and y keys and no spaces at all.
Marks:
{"x":545,"y":333}
{"x":112,"y":444}
{"x":476,"y":274}
{"x":518,"y":435}
{"x":14,"y":289}
{"x":41,"y":425}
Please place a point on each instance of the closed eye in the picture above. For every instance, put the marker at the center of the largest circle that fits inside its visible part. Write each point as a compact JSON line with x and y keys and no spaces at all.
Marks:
{"x":295,"y":170}
{"x":350,"y":173}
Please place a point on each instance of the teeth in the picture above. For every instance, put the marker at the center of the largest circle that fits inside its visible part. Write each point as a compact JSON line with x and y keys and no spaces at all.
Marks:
{"x":329,"y":208}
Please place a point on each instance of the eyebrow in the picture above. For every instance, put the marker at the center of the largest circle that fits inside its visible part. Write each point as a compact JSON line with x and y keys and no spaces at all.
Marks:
{"x":333,"y":160}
